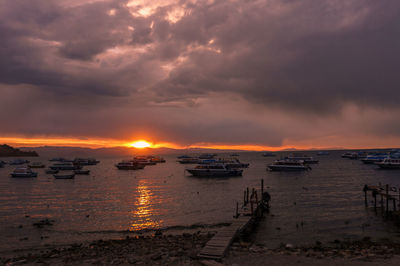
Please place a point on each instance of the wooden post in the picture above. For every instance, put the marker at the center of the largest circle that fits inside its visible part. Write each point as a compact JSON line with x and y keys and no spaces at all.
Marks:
{"x":394,"y":204}
{"x":244,"y":197}
{"x":262,"y":187}
{"x":247,"y":197}
{"x":398,"y":189}
{"x":387,"y":198}
{"x":365,"y":198}
{"x":374,"y":194}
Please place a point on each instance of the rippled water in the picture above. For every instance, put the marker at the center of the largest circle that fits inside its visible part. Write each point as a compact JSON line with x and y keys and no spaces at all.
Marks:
{"x":325,"y":203}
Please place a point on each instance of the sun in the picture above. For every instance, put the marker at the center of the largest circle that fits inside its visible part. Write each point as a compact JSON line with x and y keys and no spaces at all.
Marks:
{"x":140,"y":144}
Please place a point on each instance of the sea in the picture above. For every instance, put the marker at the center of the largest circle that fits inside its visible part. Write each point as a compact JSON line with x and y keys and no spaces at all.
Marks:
{"x":324,"y":204}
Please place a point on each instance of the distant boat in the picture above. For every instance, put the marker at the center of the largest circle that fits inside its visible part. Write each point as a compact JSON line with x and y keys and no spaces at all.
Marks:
{"x":143,"y":160}
{"x":229,"y":163}
{"x":156,"y":159}
{"x":85,"y":161}
{"x":268,"y":154}
{"x":64,"y":176}
{"x":322,"y":153}
{"x":214,"y":170}
{"x":36,"y":165}
{"x":190,"y":160}
{"x":129,"y":165}
{"x":183,"y":156}
{"x":207,"y":155}
{"x":303,"y":157}
{"x":59,"y":159}
{"x":18,"y":162}
{"x":389,"y":163}
{"x":65,"y":166}
{"x":374,"y":158}
{"x":23,"y":172}
{"x":234,"y":154}
{"x":289,"y":165}
{"x":51,"y":171}
{"x":82,"y":172}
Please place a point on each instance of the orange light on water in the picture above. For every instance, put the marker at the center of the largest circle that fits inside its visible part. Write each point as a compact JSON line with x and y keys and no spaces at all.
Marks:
{"x":140,"y":144}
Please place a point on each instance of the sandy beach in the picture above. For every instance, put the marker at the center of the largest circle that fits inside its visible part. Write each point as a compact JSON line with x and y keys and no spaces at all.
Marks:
{"x":182,"y":249}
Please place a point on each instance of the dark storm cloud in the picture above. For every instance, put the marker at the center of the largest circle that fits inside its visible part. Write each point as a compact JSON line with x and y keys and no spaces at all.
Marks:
{"x":75,"y":68}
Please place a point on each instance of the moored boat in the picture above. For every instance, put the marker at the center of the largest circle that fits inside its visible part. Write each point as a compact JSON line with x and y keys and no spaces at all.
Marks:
{"x":18,"y":162}
{"x":190,"y":160}
{"x":389,"y":163}
{"x":82,"y":172}
{"x":268,"y":154}
{"x":64,"y":176}
{"x":65,"y":166}
{"x":23,"y":172}
{"x":36,"y":165}
{"x":302,"y":157}
{"x":214,"y":170}
{"x":289,"y":165}
{"x":374,"y":158}
{"x":51,"y":171}
{"x":129,"y":165}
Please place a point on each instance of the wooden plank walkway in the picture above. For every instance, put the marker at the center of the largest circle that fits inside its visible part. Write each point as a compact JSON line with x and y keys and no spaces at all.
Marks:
{"x":219,"y":244}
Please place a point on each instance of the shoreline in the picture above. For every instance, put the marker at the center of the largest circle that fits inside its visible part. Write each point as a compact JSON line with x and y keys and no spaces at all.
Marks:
{"x":182,"y":249}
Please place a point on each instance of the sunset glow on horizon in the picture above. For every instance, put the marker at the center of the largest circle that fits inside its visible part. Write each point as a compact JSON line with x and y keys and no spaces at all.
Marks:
{"x":181,"y":74}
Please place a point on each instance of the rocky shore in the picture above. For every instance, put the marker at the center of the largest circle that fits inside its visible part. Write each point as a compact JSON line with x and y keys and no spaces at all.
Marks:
{"x":183,"y":249}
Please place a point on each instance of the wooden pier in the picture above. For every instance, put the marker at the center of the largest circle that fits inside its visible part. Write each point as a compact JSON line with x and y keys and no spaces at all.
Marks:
{"x":389,"y":198}
{"x":253,"y":207}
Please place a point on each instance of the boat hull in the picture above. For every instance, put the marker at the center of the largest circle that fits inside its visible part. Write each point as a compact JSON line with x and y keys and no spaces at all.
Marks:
{"x":288,"y":168}
{"x":64,"y":176}
{"x":15,"y":175}
{"x":208,"y":173}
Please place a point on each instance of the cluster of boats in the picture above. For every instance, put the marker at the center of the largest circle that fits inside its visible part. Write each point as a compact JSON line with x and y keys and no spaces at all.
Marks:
{"x":295,"y":162}
{"x":139,"y":162}
{"x":385,"y":160}
{"x":209,"y":166}
{"x":61,"y":164}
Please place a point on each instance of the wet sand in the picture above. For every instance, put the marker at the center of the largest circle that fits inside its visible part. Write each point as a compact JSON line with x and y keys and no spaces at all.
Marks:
{"x":183,"y":249}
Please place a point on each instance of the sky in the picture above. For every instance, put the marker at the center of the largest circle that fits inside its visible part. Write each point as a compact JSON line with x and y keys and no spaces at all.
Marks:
{"x":246,"y":74}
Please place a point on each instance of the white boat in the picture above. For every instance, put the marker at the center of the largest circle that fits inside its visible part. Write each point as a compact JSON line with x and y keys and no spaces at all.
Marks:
{"x":374,"y":158}
{"x":288,"y":165}
{"x":207,"y":155}
{"x":229,"y":163}
{"x":129,"y":165}
{"x":389,"y":163}
{"x":64,"y":176}
{"x":143,"y":160}
{"x":23,"y":172}
{"x":214,"y":170}
{"x":65,"y":166}
{"x":36,"y":165}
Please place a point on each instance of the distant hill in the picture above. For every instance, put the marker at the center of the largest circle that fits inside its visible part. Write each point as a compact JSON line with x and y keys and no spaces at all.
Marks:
{"x":8,"y":151}
{"x":59,"y":151}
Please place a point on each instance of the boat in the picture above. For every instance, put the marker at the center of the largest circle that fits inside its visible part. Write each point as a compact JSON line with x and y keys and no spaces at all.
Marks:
{"x":129,"y":165}
{"x":302,"y":157}
{"x":389,"y":163}
{"x":51,"y":171}
{"x":23,"y":172}
{"x":374,"y":158}
{"x":65,"y":166}
{"x":59,"y":159}
{"x":82,"y":172}
{"x":289,"y":165}
{"x":36,"y":165}
{"x":322,"y":153}
{"x":143,"y":160}
{"x":234,"y":154}
{"x":229,"y":163}
{"x":64,"y":176}
{"x":18,"y":162}
{"x":214,"y":170}
{"x":156,"y":159}
{"x":207,"y":155}
{"x":85,"y":161}
{"x":2,"y":164}
{"x":268,"y":154}
{"x":190,"y":160}
{"x":183,"y":157}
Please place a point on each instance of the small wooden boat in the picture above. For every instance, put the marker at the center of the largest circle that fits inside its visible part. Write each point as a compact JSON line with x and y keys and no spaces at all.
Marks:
{"x":64,"y":176}
{"x":82,"y":172}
